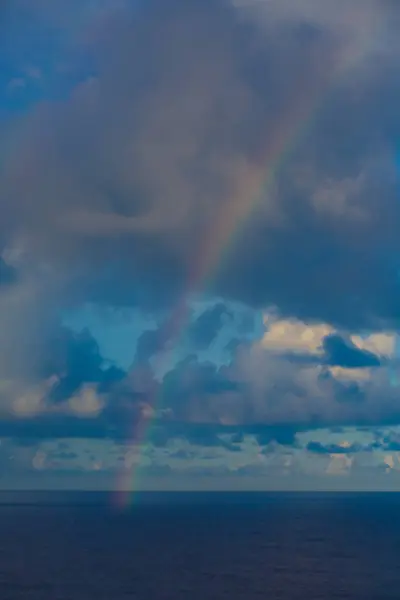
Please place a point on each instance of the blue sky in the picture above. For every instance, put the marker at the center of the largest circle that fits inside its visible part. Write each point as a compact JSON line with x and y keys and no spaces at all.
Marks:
{"x":133,"y":135}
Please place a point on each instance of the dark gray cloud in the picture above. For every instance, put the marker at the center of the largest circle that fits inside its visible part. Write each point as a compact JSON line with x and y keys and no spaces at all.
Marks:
{"x":8,"y":274}
{"x":388,"y":441}
{"x":343,"y":353}
{"x":207,"y":326}
{"x":337,"y":351}
{"x":149,"y":343}
{"x":128,"y":181}
{"x":75,"y":359}
{"x":319,"y":448}
{"x":286,"y":436}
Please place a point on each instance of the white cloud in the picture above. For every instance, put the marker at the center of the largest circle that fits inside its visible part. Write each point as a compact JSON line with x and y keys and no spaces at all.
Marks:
{"x":39,"y":460}
{"x":382,"y":344}
{"x":292,"y":335}
{"x":348,"y":374}
{"x":339,"y":464}
{"x":87,"y":402}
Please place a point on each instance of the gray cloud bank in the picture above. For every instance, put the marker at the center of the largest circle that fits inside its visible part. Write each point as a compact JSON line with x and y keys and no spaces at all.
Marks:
{"x":173,"y":136}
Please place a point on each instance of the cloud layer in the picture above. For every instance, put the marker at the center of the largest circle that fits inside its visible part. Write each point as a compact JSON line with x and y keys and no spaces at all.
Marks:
{"x":190,"y":110}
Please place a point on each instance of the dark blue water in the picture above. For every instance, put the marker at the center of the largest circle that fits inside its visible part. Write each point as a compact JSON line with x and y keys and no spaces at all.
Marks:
{"x":201,"y":547}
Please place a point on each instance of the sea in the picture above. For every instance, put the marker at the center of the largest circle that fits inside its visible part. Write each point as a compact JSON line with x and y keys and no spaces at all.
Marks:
{"x":63,"y":546}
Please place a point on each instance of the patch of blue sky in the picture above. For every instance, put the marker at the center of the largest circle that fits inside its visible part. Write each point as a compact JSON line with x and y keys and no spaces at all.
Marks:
{"x":39,"y":58}
{"x":116,"y":332}
{"x":218,"y":352}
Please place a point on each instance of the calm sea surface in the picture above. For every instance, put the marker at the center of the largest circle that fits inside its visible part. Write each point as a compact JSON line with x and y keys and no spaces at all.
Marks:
{"x":200,"y":547}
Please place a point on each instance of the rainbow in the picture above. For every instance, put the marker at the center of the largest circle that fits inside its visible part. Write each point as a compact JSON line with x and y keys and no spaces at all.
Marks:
{"x":295,"y":121}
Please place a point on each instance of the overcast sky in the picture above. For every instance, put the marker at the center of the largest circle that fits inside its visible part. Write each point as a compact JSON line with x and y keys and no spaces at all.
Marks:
{"x":199,"y":244}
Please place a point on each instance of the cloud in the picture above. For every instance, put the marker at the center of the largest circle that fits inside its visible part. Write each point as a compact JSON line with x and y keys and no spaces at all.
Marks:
{"x":8,"y":275}
{"x":206,"y":327}
{"x":343,"y":353}
{"x":276,"y":382}
{"x":249,"y":463}
{"x":270,"y":390}
{"x":343,"y":448}
{"x":382,"y":344}
{"x":321,"y":342}
{"x":293,"y":335}
{"x":150,"y":343}
{"x":172,"y":137}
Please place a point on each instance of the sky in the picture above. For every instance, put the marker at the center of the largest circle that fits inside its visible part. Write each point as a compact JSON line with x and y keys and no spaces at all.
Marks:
{"x":199,"y":249}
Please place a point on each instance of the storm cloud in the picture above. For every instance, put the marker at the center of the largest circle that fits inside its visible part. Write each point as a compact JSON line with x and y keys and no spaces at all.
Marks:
{"x":122,"y":185}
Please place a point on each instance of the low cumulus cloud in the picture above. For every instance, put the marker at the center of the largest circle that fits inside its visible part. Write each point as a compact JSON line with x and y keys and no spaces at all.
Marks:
{"x":265,"y":389}
{"x":269,"y":463}
{"x":261,"y":387}
{"x":243,"y":150}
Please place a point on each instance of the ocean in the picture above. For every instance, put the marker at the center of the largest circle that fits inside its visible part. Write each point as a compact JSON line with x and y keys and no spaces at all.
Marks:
{"x":200,"y":547}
